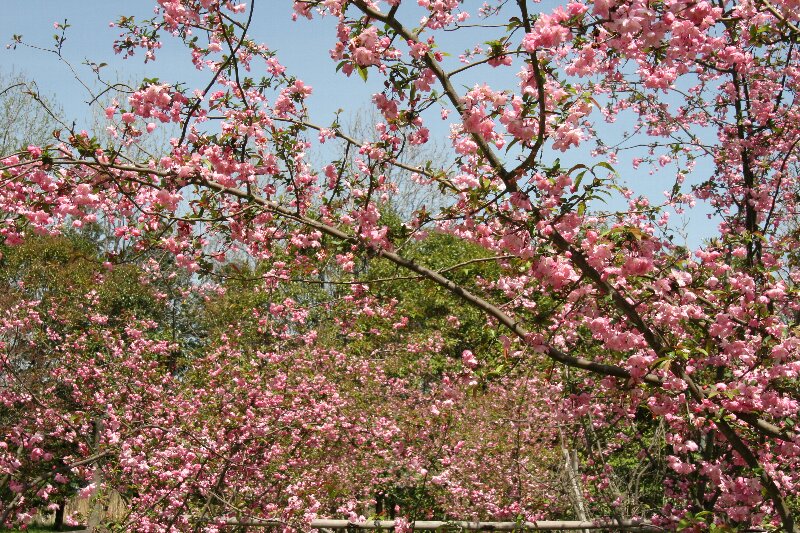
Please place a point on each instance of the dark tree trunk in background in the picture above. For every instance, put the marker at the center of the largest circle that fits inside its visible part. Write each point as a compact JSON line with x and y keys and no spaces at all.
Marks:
{"x":58,"y":523}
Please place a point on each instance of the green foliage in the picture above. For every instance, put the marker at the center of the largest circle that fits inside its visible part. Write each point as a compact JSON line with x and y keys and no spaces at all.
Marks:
{"x":429,"y":309}
{"x":64,"y":271}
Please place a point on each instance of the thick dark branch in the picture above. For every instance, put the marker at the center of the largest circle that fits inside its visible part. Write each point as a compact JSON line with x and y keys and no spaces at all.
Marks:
{"x":763,"y":427}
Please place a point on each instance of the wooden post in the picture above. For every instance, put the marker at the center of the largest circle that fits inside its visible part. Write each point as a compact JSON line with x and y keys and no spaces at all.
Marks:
{"x":573,"y":481}
{"x":96,"y":513}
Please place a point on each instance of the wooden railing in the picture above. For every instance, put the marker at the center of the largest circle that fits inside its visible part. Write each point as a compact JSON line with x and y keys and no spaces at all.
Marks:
{"x":325,"y":524}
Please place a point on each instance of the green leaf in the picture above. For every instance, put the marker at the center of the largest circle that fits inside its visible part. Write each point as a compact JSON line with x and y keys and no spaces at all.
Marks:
{"x":576,"y":167}
{"x":512,"y":143}
{"x":661,"y":362}
{"x":605,"y":165}
{"x":578,"y":178}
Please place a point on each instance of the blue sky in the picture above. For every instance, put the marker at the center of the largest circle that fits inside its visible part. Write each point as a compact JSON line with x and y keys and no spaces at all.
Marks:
{"x":302,"y":47}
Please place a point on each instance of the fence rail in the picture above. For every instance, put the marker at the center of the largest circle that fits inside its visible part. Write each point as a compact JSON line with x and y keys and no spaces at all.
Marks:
{"x":435,"y":525}
{"x":328,"y":525}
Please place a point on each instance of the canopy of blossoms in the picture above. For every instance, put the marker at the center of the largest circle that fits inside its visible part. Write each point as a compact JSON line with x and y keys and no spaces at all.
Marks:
{"x":611,"y":344}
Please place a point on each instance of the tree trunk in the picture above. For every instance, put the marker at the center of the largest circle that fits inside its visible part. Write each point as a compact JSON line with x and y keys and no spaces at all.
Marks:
{"x":58,"y":522}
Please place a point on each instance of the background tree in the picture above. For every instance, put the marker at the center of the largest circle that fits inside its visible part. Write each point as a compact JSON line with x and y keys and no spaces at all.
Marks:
{"x":26,"y":115}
